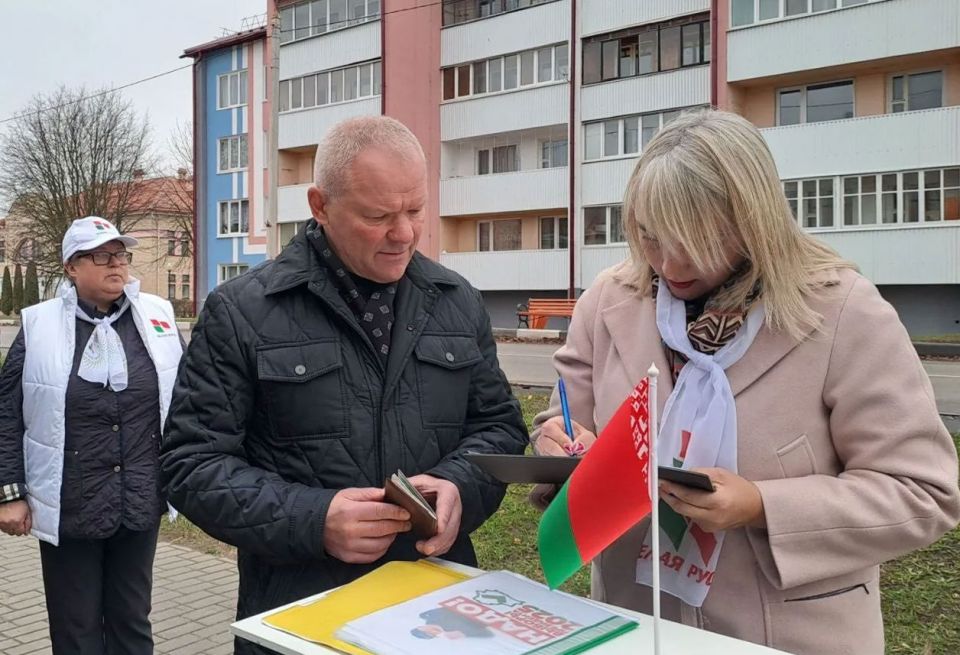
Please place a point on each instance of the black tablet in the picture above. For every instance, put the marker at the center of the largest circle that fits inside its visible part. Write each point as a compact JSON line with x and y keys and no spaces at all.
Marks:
{"x":532,"y":469}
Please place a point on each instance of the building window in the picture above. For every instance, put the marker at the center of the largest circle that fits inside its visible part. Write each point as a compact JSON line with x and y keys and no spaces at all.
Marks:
{"x":287,"y":232}
{"x":230,"y":271}
{"x":499,"y":235}
{"x":916,"y":91}
{"x":306,"y":19}
{"x":3,"y":251}
{"x":461,"y":11}
{"x":327,"y":87}
{"x":234,"y":217}
{"x":527,"y":68}
{"x":814,"y":103}
{"x":647,"y":49}
{"x":185,"y":286}
{"x":171,"y":286}
{"x":602,"y":225}
{"x":232,"y":154}
{"x":553,"y":153}
{"x":500,"y":159}
{"x":927,"y":196}
{"x":813,"y":199}
{"x":553,"y":233}
{"x":184,"y":245}
{"x":623,"y":136}
{"x":232,"y":90}
{"x":171,"y":243}
{"x":747,"y":12}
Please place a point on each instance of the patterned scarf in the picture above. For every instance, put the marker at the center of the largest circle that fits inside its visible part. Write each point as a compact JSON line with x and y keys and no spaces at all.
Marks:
{"x":709,"y":327}
{"x":104,"y":360}
{"x":374,"y":313}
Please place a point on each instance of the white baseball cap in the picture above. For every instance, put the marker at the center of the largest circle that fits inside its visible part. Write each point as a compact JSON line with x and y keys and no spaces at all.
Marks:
{"x":90,"y":232}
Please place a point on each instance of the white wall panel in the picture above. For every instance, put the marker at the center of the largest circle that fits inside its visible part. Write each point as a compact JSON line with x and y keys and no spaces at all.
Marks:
{"x":903,"y":255}
{"x":330,"y":50}
{"x":891,"y":142}
{"x":541,"y":188}
{"x":523,"y":109}
{"x":511,"y":270}
{"x":867,"y":32}
{"x":604,"y":182}
{"x":610,"y":15}
{"x":680,"y":88}
{"x":595,"y":259}
{"x":510,"y":32}
{"x":307,"y":126}
{"x":292,"y":203}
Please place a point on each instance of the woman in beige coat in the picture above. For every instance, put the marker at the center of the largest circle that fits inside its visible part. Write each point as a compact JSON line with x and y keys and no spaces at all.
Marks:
{"x":830,"y":457}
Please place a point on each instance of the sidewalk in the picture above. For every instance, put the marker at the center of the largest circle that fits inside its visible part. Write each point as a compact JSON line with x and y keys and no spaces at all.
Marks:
{"x":194,"y":601}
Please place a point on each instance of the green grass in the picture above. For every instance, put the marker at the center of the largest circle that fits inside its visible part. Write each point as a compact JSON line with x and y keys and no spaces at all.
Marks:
{"x":920,"y":592}
{"x":939,"y":338}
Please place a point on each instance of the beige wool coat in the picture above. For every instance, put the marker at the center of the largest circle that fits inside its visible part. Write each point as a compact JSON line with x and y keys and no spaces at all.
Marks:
{"x":840,"y":433}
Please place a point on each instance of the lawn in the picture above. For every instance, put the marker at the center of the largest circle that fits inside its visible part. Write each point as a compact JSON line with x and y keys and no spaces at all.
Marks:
{"x":921,"y":592}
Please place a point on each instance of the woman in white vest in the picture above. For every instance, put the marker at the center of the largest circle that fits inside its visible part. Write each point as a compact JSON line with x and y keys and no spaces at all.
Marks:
{"x":84,"y":393}
{"x":786,"y":378}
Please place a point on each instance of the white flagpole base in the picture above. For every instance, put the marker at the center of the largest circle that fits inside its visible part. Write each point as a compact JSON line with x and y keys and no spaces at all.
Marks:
{"x":652,"y":374}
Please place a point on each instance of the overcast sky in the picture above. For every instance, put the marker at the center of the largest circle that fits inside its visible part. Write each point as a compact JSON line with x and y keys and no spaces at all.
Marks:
{"x":101,"y":43}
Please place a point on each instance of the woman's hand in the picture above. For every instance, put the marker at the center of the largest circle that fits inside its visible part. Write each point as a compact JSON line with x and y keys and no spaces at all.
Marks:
{"x":554,"y":440}
{"x":735,"y":503}
{"x":15,"y":518}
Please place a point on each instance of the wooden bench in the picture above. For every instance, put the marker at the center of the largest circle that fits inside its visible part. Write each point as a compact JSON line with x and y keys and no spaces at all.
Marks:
{"x":538,"y":311}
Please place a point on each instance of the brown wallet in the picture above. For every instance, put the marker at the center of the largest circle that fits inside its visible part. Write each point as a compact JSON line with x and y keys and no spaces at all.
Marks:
{"x":399,"y":491}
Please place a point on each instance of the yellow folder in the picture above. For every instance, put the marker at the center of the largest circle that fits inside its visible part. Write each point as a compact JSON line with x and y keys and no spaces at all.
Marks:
{"x":390,"y":584}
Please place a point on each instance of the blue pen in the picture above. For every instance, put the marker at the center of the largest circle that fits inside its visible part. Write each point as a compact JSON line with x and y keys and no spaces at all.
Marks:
{"x":565,"y":407}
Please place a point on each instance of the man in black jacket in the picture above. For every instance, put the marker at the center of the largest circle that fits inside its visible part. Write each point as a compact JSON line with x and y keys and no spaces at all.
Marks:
{"x":312,"y":378}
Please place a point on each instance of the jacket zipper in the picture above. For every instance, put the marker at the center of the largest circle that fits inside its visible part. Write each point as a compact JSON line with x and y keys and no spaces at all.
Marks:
{"x":830,"y":594}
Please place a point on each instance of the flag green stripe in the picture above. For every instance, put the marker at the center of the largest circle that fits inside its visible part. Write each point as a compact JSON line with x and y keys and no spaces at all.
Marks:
{"x":559,"y":554}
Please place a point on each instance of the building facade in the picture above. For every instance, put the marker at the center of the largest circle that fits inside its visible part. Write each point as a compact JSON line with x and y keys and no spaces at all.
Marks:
{"x":533,"y":114}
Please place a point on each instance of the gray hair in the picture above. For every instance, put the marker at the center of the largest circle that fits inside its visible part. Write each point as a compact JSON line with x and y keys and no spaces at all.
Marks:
{"x":349,"y":138}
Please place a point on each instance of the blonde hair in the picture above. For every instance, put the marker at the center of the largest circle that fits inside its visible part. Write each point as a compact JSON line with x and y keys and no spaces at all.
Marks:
{"x":707,"y":181}
{"x":349,"y":138}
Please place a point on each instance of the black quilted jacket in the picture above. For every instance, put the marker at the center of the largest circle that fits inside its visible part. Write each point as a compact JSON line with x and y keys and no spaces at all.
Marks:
{"x":281,"y":401}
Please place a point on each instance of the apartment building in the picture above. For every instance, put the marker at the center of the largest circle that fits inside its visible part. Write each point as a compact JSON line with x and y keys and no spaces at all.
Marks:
{"x":859,"y":101}
{"x":533,"y":114}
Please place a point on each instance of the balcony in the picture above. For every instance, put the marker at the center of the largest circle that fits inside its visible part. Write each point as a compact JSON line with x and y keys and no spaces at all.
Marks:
{"x":540,"y":188}
{"x":506,"y":33}
{"x":605,"y":182}
{"x":305,"y":127}
{"x":523,"y":109}
{"x":868,"y":32}
{"x":893,"y":255}
{"x":595,"y":259}
{"x":637,"y":95}
{"x":331,"y":50}
{"x":292,"y":203}
{"x":538,"y":270}
{"x":601,"y":16}
{"x":889,"y":142}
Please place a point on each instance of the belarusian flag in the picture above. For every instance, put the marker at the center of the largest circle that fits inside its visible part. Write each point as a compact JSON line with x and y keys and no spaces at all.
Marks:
{"x":607,"y":494}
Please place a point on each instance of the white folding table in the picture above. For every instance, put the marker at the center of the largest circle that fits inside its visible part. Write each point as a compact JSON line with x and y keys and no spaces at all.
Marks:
{"x":676,"y":638}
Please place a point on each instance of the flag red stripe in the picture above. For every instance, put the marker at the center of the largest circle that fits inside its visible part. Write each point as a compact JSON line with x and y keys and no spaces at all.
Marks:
{"x":607,"y":492}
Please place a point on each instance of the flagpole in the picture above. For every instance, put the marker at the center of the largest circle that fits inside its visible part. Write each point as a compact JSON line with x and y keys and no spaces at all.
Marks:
{"x":652,"y":374}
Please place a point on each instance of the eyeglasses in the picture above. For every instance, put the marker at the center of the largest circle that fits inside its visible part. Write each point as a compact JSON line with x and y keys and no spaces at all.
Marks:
{"x":102,"y":257}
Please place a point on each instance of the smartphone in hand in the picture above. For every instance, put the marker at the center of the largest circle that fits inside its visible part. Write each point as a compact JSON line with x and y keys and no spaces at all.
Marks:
{"x":686,"y":478}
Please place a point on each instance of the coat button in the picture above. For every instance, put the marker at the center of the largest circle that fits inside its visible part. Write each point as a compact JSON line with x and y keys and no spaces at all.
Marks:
{"x":450,"y":357}
{"x":116,"y":469}
{"x":115,"y":428}
{"x":300,"y":369}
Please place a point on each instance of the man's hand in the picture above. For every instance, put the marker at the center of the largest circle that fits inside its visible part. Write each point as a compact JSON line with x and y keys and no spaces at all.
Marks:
{"x":449,"y":510}
{"x":15,"y":518}
{"x":735,"y":503}
{"x":360,"y":526}
{"x":553,"y":439}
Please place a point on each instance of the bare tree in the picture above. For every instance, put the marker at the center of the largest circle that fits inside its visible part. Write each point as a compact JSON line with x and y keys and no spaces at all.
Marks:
{"x":180,"y":147}
{"x":72,"y":154}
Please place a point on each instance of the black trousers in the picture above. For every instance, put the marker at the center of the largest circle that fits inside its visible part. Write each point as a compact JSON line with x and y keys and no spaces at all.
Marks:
{"x":98,"y":593}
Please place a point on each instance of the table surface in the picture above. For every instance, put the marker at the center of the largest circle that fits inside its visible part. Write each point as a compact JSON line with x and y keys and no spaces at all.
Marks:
{"x":675,"y":638}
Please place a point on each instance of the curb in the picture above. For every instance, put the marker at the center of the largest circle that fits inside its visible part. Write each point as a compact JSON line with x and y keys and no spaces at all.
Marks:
{"x":524,"y":334}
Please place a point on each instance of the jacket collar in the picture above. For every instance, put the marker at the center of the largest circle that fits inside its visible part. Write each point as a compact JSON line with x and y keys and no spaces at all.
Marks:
{"x":298,"y":264}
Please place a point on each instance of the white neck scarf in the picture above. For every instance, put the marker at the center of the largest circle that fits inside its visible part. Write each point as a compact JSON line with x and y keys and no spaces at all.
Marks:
{"x":698,"y":429}
{"x":104,"y":360}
